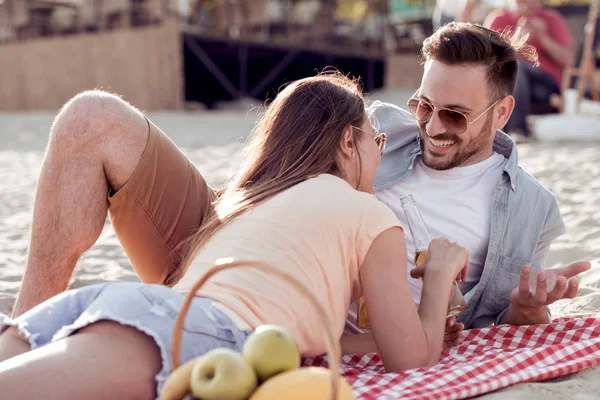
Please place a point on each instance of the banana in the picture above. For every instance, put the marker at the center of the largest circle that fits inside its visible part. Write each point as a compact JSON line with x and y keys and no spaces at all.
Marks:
{"x":177,"y":385}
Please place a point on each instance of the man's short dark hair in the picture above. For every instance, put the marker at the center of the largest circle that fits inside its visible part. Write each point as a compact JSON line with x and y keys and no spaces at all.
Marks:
{"x":464,"y":43}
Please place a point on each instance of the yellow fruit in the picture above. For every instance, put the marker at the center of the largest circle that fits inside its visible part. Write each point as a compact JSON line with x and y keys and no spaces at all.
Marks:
{"x":222,"y":374}
{"x":177,"y":385}
{"x":271,"y":349}
{"x":311,"y":383}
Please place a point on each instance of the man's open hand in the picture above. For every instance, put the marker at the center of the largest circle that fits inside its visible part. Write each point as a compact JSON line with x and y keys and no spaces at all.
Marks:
{"x":528,"y":307}
{"x":565,"y":287}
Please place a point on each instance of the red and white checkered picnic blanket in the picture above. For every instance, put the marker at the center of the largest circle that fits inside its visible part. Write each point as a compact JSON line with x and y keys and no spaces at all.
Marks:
{"x":485,"y":360}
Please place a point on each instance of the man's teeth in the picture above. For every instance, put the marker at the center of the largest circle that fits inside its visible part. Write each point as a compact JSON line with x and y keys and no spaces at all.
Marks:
{"x":442,"y":143}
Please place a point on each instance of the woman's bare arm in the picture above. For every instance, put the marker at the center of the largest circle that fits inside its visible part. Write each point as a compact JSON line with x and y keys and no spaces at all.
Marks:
{"x":406,"y":337}
{"x":358,"y":343}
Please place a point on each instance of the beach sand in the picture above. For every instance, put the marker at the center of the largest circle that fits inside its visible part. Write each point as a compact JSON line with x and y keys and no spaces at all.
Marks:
{"x":213,"y":141}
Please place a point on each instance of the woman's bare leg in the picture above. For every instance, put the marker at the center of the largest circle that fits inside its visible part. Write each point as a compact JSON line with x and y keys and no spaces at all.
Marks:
{"x":103,"y":361}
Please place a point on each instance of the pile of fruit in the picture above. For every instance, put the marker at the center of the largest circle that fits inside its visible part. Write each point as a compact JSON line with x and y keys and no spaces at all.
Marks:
{"x":267,"y":368}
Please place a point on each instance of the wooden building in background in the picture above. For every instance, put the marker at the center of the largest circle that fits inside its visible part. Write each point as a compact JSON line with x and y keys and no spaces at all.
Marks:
{"x":162,"y":54}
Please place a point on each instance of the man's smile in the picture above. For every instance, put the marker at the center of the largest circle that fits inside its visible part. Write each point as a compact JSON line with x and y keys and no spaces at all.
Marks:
{"x":441,"y":143}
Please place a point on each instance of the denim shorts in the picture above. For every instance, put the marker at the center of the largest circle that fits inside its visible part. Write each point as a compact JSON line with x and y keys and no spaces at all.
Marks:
{"x":151,"y":309}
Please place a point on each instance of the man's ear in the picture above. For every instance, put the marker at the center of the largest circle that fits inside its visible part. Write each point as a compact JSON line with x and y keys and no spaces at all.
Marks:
{"x":348,"y":145}
{"x":504,"y":109}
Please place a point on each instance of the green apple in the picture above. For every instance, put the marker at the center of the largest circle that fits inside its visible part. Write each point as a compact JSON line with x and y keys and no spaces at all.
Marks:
{"x":222,"y":374}
{"x":271,"y":349}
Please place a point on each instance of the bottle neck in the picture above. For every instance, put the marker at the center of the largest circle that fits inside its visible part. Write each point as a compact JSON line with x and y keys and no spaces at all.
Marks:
{"x":418,"y":229}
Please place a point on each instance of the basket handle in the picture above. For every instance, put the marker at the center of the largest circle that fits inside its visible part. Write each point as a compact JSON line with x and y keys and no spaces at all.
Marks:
{"x":333,"y":347}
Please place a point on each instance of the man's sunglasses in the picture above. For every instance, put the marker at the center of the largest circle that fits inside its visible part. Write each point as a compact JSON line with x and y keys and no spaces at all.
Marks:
{"x":454,"y":121}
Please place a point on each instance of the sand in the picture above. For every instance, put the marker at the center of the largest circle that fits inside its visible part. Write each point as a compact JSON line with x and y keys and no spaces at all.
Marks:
{"x":213,"y":141}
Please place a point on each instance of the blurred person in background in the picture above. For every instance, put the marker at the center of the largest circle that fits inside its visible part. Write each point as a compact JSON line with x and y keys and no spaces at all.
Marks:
{"x":549,"y":34}
{"x":474,"y":11}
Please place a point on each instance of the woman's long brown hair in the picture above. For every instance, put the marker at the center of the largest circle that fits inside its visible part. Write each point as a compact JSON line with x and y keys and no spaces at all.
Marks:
{"x":297,"y":138}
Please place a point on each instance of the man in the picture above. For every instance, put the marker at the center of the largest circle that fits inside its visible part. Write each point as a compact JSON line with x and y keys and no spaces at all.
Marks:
{"x":463,"y":174}
{"x":104,"y":155}
{"x":551,"y":37}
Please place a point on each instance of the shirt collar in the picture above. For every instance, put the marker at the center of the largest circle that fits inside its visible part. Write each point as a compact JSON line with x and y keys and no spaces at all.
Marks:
{"x":504,"y":145}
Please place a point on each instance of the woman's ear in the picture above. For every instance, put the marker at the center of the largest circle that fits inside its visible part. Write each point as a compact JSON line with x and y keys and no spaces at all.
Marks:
{"x":348,"y":145}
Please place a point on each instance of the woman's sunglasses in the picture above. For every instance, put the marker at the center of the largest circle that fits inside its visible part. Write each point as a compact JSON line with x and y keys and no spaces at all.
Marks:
{"x":454,"y":121}
{"x":380,"y":139}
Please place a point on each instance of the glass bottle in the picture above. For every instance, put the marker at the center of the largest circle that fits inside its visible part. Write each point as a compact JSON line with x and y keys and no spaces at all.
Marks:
{"x":421,"y":239}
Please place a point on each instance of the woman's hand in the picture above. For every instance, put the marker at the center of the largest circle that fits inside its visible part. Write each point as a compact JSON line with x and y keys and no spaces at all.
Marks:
{"x":444,"y":257}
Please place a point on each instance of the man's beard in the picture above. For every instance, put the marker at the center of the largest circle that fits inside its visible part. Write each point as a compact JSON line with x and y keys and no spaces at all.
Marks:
{"x":460,"y":157}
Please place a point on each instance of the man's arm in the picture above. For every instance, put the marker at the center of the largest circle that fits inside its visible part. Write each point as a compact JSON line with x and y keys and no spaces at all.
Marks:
{"x":398,"y":124}
{"x":496,"y":20}
{"x":560,"y":54}
{"x":555,"y":38}
{"x":529,"y":306}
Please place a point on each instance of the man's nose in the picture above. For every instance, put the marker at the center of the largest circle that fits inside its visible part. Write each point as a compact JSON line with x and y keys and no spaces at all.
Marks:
{"x":434,"y":126}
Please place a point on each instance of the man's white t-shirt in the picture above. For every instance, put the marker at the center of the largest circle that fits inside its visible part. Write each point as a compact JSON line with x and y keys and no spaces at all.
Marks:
{"x":455,"y":204}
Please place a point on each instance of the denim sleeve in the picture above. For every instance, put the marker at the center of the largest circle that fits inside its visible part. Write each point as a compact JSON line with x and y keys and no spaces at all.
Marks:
{"x":553,"y":228}
{"x":398,"y":124}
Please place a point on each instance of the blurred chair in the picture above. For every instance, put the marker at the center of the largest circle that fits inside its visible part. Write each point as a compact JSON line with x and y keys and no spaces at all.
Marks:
{"x":585,"y":75}
{"x":586,"y":72}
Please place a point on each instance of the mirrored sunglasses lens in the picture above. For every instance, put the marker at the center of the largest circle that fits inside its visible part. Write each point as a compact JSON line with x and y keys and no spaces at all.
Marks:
{"x":454,"y":121}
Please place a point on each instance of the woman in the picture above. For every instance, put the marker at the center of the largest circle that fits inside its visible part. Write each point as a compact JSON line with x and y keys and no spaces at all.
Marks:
{"x":303,"y":202}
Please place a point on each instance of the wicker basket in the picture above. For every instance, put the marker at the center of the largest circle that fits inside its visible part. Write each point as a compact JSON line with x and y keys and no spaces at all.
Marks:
{"x":333,"y":348}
